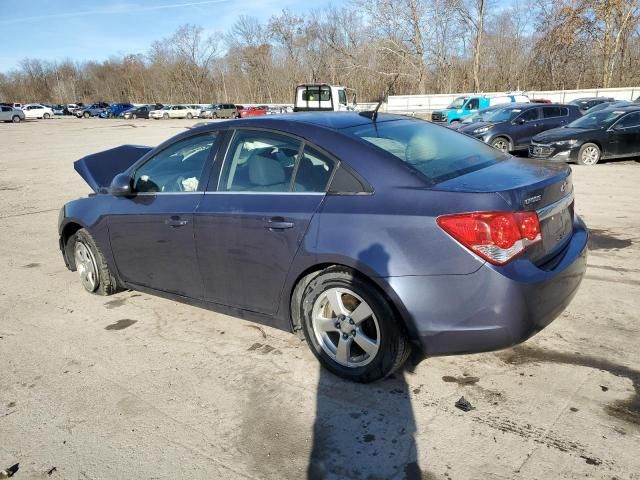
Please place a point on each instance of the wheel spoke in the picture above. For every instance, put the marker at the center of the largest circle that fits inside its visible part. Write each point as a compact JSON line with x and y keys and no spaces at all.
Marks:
{"x":343,"y":350}
{"x":365,"y":343}
{"x":335,"y":300}
{"x":325,"y":324}
{"x":361,"y":313}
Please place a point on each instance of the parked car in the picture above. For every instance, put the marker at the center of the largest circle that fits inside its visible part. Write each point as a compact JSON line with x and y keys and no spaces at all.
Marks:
{"x":219,"y":110}
{"x":115,"y":109}
{"x":11,"y":114}
{"x":35,"y":110}
{"x":137,"y":112}
{"x":253,"y":111}
{"x":58,"y":109}
{"x":171,"y":111}
{"x":370,"y":237}
{"x":479,"y":116}
{"x":73,"y":108}
{"x":585,"y":104}
{"x":92,"y":110}
{"x":608,"y":133}
{"x":512,"y":127}
{"x":463,"y":106}
{"x":605,"y":105}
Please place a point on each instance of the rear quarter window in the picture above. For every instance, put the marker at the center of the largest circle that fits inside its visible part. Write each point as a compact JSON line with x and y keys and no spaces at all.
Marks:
{"x":436,"y":152}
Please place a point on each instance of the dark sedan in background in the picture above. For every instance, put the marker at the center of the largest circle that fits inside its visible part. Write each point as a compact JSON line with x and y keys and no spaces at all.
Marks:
{"x":586,"y":104}
{"x":512,"y":127}
{"x":371,"y":237}
{"x":139,"y":112}
{"x":604,"y":134}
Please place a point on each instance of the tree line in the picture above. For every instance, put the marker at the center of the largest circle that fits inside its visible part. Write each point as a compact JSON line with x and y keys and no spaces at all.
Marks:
{"x":372,"y":46}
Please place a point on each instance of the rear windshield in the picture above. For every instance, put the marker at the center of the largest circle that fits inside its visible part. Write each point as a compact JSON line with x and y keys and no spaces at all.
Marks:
{"x":315,"y":94}
{"x":437,"y":152}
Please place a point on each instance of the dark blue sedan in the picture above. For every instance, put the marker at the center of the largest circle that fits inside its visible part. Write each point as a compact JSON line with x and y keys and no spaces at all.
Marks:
{"x":372,"y":238}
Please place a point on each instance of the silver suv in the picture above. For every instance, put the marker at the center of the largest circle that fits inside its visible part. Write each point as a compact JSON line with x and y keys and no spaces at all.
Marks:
{"x":220,"y":110}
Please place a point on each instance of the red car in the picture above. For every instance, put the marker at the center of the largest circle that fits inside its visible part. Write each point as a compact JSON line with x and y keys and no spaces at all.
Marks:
{"x":251,"y":111}
{"x":539,"y":100}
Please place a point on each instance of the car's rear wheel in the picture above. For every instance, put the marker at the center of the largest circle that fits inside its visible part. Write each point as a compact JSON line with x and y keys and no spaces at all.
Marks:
{"x":189,"y":116}
{"x":165,"y":116}
{"x":351,"y":328}
{"x":46,"y":116}
{"x":90,"y":264}
{"x":501,"y":144}
{"x":589,"y":154}
{"x":16,"y":119}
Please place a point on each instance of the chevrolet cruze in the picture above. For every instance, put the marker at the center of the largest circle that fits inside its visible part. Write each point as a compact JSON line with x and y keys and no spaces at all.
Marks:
{"x":370,"y":236}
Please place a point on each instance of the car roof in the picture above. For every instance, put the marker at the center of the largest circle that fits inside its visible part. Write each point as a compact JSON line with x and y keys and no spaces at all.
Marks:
{"x":625,"y":108}
{"x":329,"y":120}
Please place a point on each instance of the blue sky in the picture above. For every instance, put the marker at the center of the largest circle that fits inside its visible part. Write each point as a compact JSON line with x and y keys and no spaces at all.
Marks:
{"x":96,"y":29}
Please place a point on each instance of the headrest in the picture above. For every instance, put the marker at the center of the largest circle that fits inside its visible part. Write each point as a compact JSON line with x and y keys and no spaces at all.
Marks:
{"x":265,"y":171}
{"x":420,"y":148}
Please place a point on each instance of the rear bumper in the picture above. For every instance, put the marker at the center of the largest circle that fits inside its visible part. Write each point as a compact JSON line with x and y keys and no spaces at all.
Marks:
{"x":494,"y":307}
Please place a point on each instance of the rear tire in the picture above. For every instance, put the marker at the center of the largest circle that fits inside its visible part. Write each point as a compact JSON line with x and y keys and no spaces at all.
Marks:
{"x":363,"y":342}
{"x":165,"y":116}
{"x":589,"y":154}
{"x":89,"y":262}
{"x":501,"y":144}
{"x":189,"y":116}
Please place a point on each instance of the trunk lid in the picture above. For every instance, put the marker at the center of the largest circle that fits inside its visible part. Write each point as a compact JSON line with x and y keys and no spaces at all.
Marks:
{"x":524,"y":185}
{"x":98,"y":169}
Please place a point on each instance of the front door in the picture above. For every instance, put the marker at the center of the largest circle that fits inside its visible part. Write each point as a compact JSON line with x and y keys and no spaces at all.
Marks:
{"x":151,"y":232}
{"x":524,"y":132}
{"x":250,"y":226}
{"x":625,"y":135}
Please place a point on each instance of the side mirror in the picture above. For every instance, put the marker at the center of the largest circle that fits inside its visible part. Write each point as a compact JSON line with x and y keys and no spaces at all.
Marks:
{"x":121,"y":185}
{"x":354,"y":100}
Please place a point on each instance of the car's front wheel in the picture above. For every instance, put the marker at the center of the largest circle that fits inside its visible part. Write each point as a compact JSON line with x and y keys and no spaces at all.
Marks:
{"x":501,"y":144}
{"x":86,"y":114}
{"x":15,"y":119}
{"x":46,"y":116}
{"x":165,"y":116}
{"x":589,"y":154}
{"x":351,"y":328}
{"x":189,"y":116}
{"x":95,"y":275}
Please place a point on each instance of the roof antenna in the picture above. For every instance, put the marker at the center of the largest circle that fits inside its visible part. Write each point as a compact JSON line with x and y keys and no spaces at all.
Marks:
{"x":373,"y":114}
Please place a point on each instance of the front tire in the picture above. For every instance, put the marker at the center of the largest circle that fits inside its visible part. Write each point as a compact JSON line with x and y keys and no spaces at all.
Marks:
{"x":589,"y":154}
{"x":351,"y":328}
{"x":46,"y":116}
{"x":501,"y":144}
{"x":165,"y":116}
{"x":90,"y":264}
{"x":189,"y":116}
{"x":86,"y":114}
{"x":15,"y":119}
{"x":133,"y":116}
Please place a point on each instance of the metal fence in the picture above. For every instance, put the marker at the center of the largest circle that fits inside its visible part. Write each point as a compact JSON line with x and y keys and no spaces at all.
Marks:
{"x":416,"y":104}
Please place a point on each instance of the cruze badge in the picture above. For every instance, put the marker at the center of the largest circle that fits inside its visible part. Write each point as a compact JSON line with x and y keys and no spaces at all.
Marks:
{"x":534,"y":199}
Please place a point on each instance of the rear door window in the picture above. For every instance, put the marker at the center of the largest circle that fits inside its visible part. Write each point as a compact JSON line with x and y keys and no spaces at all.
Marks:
{"x":259,"y":162}
{"x":312,"y":172}
{"x":437,"y":153}
{"x":632,"y":120}
{"x":551,"y":112}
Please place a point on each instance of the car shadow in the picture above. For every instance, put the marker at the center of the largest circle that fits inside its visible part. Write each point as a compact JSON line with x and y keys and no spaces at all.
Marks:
{"x":364,"y":431}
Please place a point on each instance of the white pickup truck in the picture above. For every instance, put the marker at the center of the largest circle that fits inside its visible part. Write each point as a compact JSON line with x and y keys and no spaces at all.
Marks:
{"x":317,"y":97}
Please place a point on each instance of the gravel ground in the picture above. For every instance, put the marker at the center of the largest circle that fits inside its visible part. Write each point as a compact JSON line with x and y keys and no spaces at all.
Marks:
{"x":135,"y":386}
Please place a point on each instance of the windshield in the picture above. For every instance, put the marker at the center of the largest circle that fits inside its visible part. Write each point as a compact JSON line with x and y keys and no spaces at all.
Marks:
{"x":477,"y":117}
{"x":600,"y":119}
{"x":502,"y":115}
{"x":457,"y":103}
{"x":438,"y":153}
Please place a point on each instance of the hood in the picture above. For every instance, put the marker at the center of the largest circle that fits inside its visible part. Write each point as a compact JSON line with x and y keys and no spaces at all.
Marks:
{"x":557,"y":134}
{"x":99,"y":168}
{"x":470,"y":127}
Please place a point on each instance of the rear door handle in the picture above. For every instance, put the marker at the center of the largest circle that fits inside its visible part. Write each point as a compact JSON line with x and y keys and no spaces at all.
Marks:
{"x":176,"y":221}
{"x":278,"y":223}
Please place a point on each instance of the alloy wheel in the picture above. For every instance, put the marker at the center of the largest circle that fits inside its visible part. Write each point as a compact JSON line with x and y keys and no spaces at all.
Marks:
{"x":86,"y":266}
{"x":590,"y":156}
{"x":501,"y":145}
{"x":346,"y":327}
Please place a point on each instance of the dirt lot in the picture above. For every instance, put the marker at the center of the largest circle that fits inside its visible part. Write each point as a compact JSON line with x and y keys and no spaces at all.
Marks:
{"x":134,"y":386}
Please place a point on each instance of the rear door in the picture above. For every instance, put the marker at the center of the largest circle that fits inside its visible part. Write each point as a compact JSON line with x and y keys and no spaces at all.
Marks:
{"x":151,"y":232}
{"x":251,"y":222}
{"x":554,"y":116}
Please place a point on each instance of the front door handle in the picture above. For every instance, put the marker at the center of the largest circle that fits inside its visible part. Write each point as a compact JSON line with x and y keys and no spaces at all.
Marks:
{"x":176,"y":221}
{"x":278,"y":223}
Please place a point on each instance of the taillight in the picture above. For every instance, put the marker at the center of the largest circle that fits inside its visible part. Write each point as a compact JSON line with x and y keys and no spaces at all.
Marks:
{"x":497,"y":237}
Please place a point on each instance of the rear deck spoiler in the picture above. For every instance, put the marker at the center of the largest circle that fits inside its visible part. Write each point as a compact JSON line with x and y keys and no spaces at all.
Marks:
{"x":98,"y":169}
